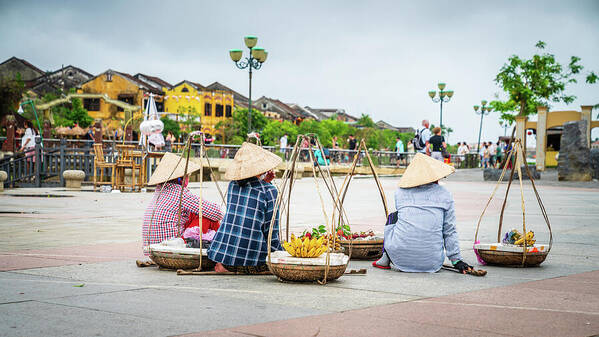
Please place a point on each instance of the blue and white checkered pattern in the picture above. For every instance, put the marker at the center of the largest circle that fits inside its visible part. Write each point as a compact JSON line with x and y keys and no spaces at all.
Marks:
{"x":242,"y":237}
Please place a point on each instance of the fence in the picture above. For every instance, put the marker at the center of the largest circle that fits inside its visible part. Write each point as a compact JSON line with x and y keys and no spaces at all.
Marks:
{"x":44,"y":164}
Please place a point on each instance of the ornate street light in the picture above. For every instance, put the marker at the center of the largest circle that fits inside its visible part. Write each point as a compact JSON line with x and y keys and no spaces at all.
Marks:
{"x":444,"y":97}
{"x":257,"y":56}
{"x":484,"y":111}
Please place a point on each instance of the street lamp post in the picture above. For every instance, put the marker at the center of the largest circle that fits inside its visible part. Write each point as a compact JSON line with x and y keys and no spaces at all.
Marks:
{"x":256,"y":57}
{"x":484,"y":110}
{"x":505,"y":125}
{"x":444,"y":97}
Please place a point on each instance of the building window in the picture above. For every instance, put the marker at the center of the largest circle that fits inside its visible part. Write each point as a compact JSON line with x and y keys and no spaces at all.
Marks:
{"x":160,"y":106}
{"x":184,"y":89}
{"x":218,"y":112}
{"x":91,"y":104}
{"x":108,"y":77}
{"x":228,"y":110}
{"x":127,"y":98}
{"x":207,"y":109}
{"x":264,"y":105}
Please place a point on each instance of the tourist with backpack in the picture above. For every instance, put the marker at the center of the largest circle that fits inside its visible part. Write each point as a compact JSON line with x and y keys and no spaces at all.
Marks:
{"x":422,"y":137}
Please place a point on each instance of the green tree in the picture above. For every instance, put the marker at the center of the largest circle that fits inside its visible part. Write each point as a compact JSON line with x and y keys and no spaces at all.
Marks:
{"x":240,"y":121}
{"x":536,"y":81}
{"x":11,"y":93}
{"x":365,"y":121}
{"x":275,"y":129}
{"x":170,"y":126}
{"x":314,"y":127}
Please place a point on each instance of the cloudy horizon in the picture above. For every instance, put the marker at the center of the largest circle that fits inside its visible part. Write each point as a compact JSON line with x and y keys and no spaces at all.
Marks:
{"x":379,"y":58}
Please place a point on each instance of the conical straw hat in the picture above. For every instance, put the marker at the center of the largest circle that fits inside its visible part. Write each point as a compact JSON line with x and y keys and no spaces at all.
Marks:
{"x":168,"y":169}
{"x":424,"y":170}
{"x":251,"y":160}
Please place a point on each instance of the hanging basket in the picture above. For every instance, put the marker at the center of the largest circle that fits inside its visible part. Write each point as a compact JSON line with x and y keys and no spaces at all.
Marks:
{"x":363,"y":249}
{"x":179,"y":258}
{"x":503,"y":254}
{"x":510,"y":255}
{"x":328,"y":266}
{"x":289,"y":268}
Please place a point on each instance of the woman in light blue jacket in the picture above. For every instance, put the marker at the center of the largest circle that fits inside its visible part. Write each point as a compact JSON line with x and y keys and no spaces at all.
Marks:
{"x":425,"y":230}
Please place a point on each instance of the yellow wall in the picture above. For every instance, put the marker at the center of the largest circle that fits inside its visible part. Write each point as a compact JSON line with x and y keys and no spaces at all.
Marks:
{"x":193,"y":102}
{"x":119,"y":85}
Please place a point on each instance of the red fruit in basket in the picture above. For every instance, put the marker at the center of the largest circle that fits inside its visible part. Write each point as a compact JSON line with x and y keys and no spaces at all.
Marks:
{"x":354,"y":236}
{"x":308,"y":235}
{"x":340,"y":232}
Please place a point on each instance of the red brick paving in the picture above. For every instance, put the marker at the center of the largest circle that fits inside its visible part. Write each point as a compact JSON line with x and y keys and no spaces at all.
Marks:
{"x":564,"y":306}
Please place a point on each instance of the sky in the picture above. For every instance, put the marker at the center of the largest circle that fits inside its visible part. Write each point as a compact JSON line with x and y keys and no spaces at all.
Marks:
{"x":374,"y":57}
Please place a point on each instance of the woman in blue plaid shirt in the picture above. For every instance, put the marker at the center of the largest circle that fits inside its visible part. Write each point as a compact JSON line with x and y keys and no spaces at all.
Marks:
{"x":241,"y":242}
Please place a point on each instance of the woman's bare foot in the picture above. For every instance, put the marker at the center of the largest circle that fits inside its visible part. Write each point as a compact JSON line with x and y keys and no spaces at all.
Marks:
{"x":219,"y":268}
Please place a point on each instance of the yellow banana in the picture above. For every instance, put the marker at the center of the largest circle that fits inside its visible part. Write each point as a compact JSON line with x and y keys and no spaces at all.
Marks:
{"x":312,"y":252}
{"x":292,"y":237}
{"x":319,"y":242}
{"x":313,"y":243}
{"x":519,"y":241}
{"x":298,"y":252}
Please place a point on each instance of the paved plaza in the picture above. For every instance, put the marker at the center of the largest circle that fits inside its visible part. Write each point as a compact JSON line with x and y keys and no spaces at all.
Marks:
{"x":67,"y":268}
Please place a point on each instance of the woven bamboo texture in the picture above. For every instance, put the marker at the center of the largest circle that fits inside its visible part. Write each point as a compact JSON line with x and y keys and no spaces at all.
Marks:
{"x":306,"y":273}
{"x":363,"y":250}
{"x":499,"y":258}
{"x":169,"y":260}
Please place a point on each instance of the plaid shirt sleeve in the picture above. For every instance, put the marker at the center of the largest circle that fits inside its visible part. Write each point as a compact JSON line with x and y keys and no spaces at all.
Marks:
{"x":210,"y":210}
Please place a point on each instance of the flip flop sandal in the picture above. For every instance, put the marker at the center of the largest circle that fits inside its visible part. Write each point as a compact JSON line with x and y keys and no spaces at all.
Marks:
{"x":142,"y":264}
{"x":380,"y":267}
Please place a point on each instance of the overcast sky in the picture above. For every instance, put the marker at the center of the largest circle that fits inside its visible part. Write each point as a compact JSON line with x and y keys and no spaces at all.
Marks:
{"x":375,"y":57}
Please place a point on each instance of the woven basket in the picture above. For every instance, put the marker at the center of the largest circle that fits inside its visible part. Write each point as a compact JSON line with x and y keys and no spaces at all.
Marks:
{"x":363,"y":249}
{"x":514,"y":259}
{"x":305,"y":273}
{"x":169,"y":260}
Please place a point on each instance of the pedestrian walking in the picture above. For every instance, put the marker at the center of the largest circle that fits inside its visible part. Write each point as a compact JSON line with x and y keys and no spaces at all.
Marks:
{"x":422,"y":137}
{"x":436,"y":145}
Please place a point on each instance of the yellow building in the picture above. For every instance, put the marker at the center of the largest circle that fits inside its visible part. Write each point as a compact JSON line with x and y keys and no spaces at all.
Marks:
{"x":190,"y":103}
{"x":120,"y":86}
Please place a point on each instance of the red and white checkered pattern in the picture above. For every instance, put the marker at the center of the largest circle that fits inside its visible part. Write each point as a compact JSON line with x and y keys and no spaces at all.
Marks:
{"x":165,"y":208}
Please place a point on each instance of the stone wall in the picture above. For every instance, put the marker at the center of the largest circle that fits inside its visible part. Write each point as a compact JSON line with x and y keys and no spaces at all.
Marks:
{"x":574,"y":163}
{"x":595,"y":163}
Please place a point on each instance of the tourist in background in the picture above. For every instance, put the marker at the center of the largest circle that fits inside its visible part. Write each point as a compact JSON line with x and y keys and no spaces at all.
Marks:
{"x":492,"y":157}
{"x":486,"y":155}
{"x":498,"y":154}
{"x":422,"y":137}
{"x":436,"y":145}
{"x":481,"y":153}
{"x":399,"y":150}
{"x":283,"y":145}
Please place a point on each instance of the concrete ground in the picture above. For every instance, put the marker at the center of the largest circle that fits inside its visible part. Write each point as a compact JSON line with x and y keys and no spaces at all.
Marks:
{"x":67,"y":268}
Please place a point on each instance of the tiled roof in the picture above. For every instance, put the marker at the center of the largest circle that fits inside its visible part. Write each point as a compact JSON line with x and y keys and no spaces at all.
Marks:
{"x":25,"y":63}
{"x":155,"y":79}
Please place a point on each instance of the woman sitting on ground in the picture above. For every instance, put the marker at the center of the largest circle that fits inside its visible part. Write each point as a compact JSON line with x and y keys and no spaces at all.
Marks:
{"x":241,"y":243}
{"x":424,"y":228}
{"x":162,"y":214}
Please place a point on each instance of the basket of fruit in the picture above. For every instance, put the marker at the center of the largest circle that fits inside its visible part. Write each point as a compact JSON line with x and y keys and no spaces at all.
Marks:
{"x":174,"y":257}
{"x":306,"y":261}
{"x":360,"y":246}
{"x":511,"y":251}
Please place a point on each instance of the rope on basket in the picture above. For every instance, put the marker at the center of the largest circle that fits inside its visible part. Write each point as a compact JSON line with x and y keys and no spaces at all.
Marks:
{"x":288,"y":183}
{"x":345,"y":186}
{"x":515,"y":153}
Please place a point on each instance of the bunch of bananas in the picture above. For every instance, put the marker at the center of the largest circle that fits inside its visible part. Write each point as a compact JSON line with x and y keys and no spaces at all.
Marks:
{"x":306,"y":248}
{"x":529,"y":237}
